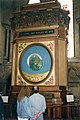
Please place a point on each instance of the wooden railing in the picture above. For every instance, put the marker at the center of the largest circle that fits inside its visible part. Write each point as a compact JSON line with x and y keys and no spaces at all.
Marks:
{"x":54,"y":112}
{"x":63,"y":112}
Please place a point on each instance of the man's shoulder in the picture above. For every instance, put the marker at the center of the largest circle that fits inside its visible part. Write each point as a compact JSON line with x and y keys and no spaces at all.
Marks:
{"x":41,"y":95}
{"x":36,"y":94}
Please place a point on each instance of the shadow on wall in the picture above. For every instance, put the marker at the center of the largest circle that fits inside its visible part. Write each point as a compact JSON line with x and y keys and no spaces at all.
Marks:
{"x":8,"y":85}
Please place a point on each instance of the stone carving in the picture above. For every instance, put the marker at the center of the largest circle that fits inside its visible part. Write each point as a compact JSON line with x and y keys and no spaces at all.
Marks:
{"x":74,"y":73}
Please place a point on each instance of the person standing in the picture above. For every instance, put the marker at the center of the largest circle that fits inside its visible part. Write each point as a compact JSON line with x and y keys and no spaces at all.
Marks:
{"x":23,"y":104}
{"x":38,"y":104}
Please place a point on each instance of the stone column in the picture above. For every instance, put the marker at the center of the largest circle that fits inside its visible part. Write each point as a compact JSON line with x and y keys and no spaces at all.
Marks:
{"x":76,"y":18}
{"x":1,"y":39}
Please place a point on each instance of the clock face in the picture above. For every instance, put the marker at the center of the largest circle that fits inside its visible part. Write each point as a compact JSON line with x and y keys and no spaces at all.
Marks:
{"x":35,"y":63}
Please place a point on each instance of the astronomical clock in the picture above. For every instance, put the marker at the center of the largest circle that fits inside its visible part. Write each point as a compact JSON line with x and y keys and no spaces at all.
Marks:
{"x":40,"y":45}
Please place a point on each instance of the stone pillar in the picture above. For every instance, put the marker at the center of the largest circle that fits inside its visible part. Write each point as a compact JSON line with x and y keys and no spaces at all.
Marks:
{"x":76,"y":18}
{"x":1,"y":39}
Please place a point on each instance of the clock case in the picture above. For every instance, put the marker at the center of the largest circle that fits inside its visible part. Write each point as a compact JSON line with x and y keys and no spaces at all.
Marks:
{"x":43,"y":24}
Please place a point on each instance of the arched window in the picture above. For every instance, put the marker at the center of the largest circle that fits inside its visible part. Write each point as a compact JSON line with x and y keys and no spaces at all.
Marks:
{"x":33,"y":1}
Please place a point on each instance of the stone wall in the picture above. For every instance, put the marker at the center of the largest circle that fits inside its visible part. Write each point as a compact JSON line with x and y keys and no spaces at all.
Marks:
{"x":74,"y":76}
{"x":6,"y":10}
{"x":5,"y":80}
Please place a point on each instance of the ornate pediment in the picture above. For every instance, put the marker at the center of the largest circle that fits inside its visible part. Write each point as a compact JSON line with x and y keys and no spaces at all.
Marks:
{"x":42,"y":14}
